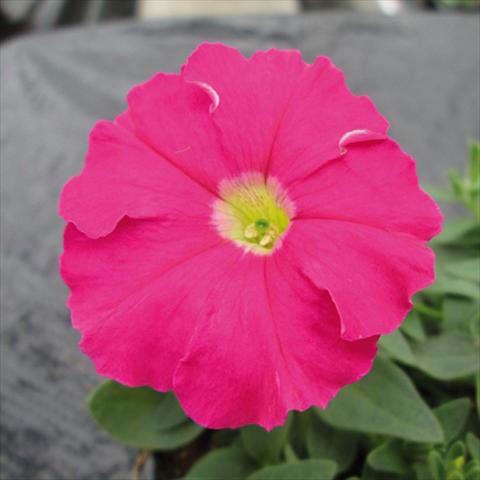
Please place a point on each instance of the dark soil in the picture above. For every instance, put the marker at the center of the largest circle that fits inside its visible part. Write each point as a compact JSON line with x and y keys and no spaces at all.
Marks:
{"x":176,"y":463}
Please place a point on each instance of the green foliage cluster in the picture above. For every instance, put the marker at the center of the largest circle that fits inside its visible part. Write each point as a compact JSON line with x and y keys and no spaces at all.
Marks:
{"x":414,"y":416}
{"x":457,"y":3}
{"x":464,"y":189}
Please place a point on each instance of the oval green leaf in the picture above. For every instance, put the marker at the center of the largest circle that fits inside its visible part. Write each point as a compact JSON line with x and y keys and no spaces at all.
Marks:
{"x":448,"y":356}
{"x":473,"y":444}
{"x":384,"y":402}
{"x":141,"y":417}
{"x":389,"y":457}
{"x":452,"y":417}
{"x":265,"y":447}
{"x":458,"y":312}
{"x":229,"y":462}
{"x":304,"y":470}
{"x":468,"y":268}
{"x":325,"y":442}
{"x":397,"y":347}
{"x":413,"y":327}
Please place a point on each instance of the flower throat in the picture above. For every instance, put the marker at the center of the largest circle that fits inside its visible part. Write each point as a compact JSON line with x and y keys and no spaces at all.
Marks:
{"x":253,"y":213}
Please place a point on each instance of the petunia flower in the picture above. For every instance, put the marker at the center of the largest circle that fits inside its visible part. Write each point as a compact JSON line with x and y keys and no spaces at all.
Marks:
{"x":242,"y":234}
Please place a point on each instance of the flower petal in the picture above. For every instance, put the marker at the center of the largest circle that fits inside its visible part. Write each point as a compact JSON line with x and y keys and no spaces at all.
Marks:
{"x":252,"y":97}
{"x":276,"y":112}
{"x":370,"y":274}
{"x":122,"y":176}
{"x":323,"y":116}
{"x":133,"y":294}
{"x":270,"y":344}
{"x":173,"y":117}
{"x":374,"y":183}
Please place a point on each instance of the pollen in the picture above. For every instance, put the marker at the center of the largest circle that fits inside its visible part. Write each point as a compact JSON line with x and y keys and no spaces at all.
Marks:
{"x":253,"y":212}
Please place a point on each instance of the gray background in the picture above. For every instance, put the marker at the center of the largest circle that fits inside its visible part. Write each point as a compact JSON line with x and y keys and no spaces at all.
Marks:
{"x":421,"y":70}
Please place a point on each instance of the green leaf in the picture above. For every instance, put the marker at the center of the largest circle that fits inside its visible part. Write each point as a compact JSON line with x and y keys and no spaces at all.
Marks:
{"x":477,"y":391}
{"x":455,"y":476}
{"x":474,"y":178}
{"x":436,"y":465}
{"x":298,"y":429}
{"x":413,"y":327}
{"x":446,"y":284}
{"x":473,"y":445}
{"x":473,"y":473}
{"x":223,"y":463}
{"x":290,"y":455}
{"x":468,"y":269}
{"x":369,"y":473}
{"x":440,"y":193}
{"x":397,"y":347}
{"x":447,"y":356}
{"x":472,"y":465}
{"x":384,"y":402}
{"x":452,"y":253}
{"x":461,"y":232}
{"x":325,"y":442}
{"x":388,"y":457}
{"x":141,"y":417}
{"x":426,"y":311}
{"x":303,"y":470}
{"x":265,"y":447}
{"x":457,"y":450}
{"x":458,"y":185}
{"x":455,"y":459}
{"x":452,"y":417}
{"x":474,"y":328}
{"x":474,"y":166}
{"x":422,"y":471}
{"x":458,"y":312}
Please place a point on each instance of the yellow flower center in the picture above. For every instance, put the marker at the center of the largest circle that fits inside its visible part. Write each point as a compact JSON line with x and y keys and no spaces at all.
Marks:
{"x":252,"y":212}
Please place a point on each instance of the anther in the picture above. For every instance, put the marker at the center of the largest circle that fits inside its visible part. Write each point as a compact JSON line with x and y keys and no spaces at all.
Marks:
{"x":251,"y":232}
{"x":266,"y":239}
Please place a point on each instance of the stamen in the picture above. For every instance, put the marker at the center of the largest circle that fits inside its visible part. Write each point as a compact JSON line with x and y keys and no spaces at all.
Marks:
{"x":251,"y":232}
{"x":266,"y":239}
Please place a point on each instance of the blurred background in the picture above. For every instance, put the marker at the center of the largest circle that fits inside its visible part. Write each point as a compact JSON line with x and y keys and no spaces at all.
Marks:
{"x":67,"y":63}
{"x":18,"y":16}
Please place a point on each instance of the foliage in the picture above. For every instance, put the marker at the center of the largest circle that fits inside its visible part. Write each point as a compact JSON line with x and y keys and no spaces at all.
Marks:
{"x":466,"y":189}
{"x":414,"y":416}
{"x":457,"y":3}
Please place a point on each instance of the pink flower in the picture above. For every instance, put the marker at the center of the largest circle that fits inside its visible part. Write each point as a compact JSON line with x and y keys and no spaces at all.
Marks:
{"x":242,"y":235}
